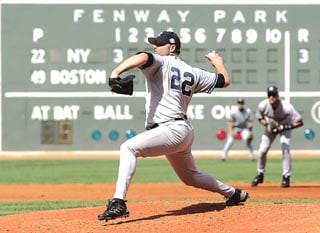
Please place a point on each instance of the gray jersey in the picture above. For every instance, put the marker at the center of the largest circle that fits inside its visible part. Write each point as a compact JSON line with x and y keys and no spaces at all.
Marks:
{"x":170,"y":84}
{"x":239,"y":118}
{"x":285,"y":113}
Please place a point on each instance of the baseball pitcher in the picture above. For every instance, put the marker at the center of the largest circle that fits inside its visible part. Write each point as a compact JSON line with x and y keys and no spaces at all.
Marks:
{"x":170,"y":85}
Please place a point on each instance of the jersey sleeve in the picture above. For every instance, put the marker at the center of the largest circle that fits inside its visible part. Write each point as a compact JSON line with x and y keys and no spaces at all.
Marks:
{"x":295,"y":115}
{"x":250,"y":115}
{"x":153,"y":64}
{"x":259,"y":111}
{"x":205,"y":81}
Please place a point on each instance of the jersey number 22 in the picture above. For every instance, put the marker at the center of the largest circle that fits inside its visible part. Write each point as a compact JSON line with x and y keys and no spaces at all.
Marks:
{"x":182,"y":84}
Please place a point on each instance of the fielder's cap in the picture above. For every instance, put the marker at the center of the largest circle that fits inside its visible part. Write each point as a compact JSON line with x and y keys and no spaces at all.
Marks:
{"x":273,"y":91}
{"x":166,"y":37}
{"x":240,"y":100}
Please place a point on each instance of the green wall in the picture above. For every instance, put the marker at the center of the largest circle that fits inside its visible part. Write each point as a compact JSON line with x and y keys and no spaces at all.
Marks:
{"x":56,"y":60}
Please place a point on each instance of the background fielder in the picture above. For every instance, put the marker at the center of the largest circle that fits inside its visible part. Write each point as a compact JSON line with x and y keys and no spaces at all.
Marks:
{"x":279,"y":118}
{"x":240,"y":120}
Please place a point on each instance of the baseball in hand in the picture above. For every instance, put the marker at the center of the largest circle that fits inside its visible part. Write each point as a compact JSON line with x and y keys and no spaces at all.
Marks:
{"x":212,"y":53}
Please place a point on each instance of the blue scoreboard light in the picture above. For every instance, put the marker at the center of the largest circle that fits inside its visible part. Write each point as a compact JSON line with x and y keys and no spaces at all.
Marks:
{"x":56,"y":60}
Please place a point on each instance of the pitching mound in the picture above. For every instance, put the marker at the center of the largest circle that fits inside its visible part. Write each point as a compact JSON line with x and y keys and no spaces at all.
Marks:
{"x":168,"y":208}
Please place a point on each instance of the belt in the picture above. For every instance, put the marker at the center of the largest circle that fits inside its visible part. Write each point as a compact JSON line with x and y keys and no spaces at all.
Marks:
{"x":155,"y":125}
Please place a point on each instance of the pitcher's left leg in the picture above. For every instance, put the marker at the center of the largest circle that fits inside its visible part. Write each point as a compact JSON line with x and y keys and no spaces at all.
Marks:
{"x":185,"y":168}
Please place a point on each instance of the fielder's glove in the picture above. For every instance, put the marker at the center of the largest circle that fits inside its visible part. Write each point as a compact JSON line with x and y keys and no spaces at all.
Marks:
{"x":273,"y":127}
{"x":122,"y":86}
{"x":276,"y":129}
{"x":280,"y":128}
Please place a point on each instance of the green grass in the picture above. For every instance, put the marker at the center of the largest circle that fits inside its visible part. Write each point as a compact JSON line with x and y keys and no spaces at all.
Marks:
{"x":148,"y":171}
{"x":8,"y":208}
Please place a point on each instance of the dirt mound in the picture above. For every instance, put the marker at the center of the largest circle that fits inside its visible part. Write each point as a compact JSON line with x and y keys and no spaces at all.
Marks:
{"x":168,"y":208}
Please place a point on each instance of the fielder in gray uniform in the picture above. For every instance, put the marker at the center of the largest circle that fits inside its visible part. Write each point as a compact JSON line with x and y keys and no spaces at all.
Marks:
{"x":170,"y":85}
{"x":279,"y":118}
{"x":240,"y":120}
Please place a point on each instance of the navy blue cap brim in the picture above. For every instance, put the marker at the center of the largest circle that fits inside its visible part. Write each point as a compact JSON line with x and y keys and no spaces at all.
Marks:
{"x":154,"y":41}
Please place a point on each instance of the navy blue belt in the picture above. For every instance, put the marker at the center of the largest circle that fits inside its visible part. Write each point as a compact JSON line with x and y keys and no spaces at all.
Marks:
{"x":155,"y":125}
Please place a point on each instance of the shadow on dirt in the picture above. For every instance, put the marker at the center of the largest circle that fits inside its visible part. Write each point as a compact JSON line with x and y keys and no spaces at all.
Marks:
{"x":192,"y":209}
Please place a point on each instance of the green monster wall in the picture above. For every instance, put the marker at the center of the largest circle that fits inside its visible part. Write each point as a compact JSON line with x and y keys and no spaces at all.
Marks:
{"x":56,"y":60}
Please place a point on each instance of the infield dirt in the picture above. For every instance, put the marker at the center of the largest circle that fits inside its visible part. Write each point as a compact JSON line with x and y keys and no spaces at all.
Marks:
{"x":168,"y":208}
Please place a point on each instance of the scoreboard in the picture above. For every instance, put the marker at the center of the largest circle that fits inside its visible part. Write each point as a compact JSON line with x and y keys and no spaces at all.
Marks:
{"x":56,"y":60}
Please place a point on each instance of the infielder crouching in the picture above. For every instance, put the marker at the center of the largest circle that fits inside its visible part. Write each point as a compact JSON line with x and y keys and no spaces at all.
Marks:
{"x":279,"y":118}
{"x":239,"y":121}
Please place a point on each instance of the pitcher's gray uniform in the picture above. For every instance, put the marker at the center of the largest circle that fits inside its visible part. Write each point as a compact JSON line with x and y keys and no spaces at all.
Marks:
{"x":170,"y":85}
{"x":284,"y":115}
{"x":240,"y":120}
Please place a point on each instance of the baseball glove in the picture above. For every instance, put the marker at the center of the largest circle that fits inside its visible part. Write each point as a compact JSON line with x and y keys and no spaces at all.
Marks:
{"x":273,"y":127}
{"x":122,"y":86}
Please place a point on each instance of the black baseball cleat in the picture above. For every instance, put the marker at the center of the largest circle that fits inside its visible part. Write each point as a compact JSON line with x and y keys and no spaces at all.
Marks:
{"x":116,"y":208}
{"x":238,"y":197}
{"x":257,"y":180}
{"x":285,"y":182}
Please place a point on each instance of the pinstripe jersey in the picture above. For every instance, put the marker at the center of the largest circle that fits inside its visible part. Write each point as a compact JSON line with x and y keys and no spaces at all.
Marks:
{"x":285,"y":113}
{"x":240,"y":118}
{"x":170,"y":85}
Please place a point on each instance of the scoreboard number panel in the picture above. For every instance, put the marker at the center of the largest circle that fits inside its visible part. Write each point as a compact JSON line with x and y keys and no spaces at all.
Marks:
{"x":56,"y":60}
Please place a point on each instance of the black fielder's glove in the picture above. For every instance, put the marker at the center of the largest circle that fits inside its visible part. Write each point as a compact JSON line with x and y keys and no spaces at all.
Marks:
{"x":280,"y":128}
{"x":273,"y":127}
{"x":276,"y":130}
{"x":122,"y":86}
